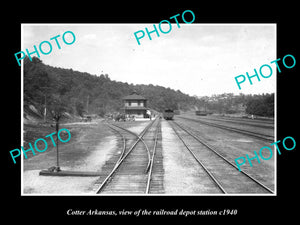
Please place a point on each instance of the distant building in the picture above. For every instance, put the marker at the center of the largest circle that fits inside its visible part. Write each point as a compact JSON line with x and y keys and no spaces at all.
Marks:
{"x":135,"y":105}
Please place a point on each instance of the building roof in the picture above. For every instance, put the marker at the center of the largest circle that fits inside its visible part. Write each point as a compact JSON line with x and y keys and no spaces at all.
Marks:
{"x":134,"y":96}
{"x":135,"y":108}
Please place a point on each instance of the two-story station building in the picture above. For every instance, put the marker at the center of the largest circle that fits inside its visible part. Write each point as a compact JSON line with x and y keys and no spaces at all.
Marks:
{"x":135,"y":105}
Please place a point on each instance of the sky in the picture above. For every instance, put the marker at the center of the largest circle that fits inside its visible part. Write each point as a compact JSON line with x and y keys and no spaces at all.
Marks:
{"x":197,"y":59}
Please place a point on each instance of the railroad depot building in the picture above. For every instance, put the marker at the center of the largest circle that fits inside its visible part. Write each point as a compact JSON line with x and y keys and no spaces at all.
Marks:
{"x":135,"y":105}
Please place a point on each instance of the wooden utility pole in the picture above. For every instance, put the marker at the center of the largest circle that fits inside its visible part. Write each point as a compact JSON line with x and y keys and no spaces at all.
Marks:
{"x":45,"y":111}
{"x":57,"y":117}
{"x":87,"y":104}
{"x":45,"y":90}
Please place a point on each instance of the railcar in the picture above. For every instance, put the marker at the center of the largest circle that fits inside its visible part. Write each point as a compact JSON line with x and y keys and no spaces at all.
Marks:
{"x":176,"y":112}
{"x":201,"y":113}
{"x":168,"y":114}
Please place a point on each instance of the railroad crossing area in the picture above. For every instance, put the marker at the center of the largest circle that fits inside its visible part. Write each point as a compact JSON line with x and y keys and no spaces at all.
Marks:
{"x":188,"y":155}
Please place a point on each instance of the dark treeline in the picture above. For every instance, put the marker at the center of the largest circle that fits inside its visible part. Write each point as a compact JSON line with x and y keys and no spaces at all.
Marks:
{"x":81,"y":93}
{"x":260,"y":105}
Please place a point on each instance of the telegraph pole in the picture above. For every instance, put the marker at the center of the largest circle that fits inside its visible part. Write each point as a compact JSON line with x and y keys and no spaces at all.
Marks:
{"x":45,"y":90}
{"x":87,"y":104}
{"x":45,"y":111}
{"x":57,"y":117}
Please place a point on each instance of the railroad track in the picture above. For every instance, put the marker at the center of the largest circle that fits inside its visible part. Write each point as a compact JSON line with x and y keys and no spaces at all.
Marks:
{"x":223,"y":173}
{"x":252,"y":123}
{"x":156,"y":171}
{"x":133,"y":170}
{"x":256,"y":120}
{"x":233,"y":129}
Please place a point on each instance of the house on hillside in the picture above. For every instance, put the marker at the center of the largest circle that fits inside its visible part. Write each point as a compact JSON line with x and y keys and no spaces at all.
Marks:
{"x":135,"y":105}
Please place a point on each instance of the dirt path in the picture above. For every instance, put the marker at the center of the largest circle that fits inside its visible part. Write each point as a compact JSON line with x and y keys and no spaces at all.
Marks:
{"x":88,"y":151}
{"x":91,"y":146}
{"x":182,"y":173}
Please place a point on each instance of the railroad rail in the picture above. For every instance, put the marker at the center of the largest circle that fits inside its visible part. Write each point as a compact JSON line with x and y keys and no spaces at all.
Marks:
{"x":139,"y":138}
{"x":155,"y":174}
{"x":256,"y":120}
{"x":123,"y":140}
{"x":132,"y":172}
{"x":252,"y":123}
{"x":224,"y":173}
{"x":233,"y":129}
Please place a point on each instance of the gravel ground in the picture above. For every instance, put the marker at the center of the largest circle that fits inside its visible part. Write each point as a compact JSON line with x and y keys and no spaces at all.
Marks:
{"x":93,"y":144}
{"x":135,"y":126}
{"x":233,"y":145}
{"x":87,"y":152}
{"x":240,"y":125}
{"x":182,"y":174}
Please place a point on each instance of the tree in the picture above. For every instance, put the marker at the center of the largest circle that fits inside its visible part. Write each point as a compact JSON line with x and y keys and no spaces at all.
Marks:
{"x":79,"y":108}
{"x":261,"y":105}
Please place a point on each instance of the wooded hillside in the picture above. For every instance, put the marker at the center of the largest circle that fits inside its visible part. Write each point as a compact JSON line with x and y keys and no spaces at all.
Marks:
{"x":81,"y":93}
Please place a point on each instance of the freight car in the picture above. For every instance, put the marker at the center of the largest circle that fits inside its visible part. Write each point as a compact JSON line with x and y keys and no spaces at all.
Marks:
{"x":168,"y":114}
{"x":176,"y":112}
{"x":201,"y":113}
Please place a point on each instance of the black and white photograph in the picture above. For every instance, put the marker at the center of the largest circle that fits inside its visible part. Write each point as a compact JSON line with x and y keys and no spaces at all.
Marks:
{"x":160,"y":117}
{"x":149,"y":113}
